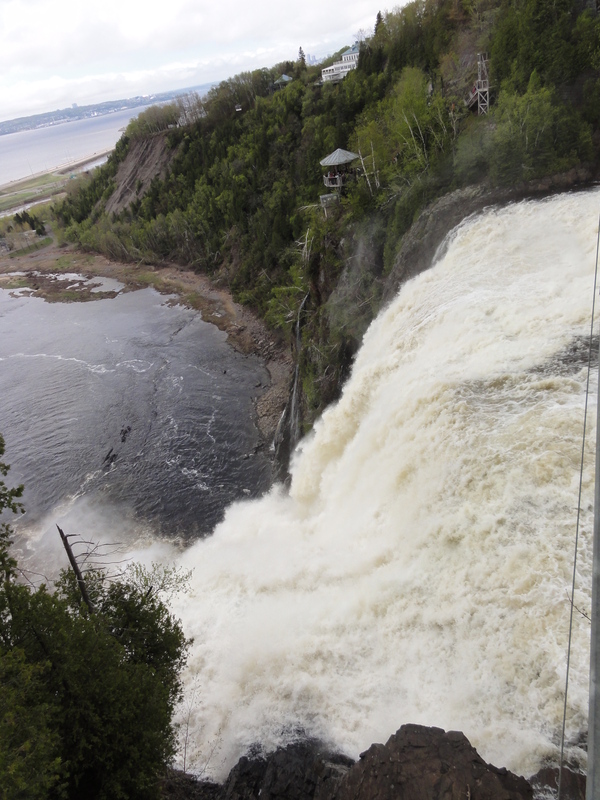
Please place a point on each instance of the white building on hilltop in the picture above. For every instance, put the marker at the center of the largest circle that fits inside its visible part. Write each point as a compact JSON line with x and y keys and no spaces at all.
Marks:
{"x":339,"y":70}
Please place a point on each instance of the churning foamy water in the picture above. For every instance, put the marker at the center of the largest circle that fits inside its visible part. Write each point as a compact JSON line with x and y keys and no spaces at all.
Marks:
{"x":419,"y":569}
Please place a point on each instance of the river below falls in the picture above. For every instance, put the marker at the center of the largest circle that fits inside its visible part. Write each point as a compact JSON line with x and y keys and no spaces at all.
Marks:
{"x":124,"y":418}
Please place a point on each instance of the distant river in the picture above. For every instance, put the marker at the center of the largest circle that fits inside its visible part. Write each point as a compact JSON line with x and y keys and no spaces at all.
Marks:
{"x":125,"y":417}
{"x":28,"y":152}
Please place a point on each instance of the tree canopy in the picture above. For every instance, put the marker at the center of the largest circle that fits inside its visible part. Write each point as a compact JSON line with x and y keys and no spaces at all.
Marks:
{"x":86,"y":699}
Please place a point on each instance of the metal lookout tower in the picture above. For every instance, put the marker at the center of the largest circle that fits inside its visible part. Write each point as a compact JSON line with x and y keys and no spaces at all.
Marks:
{"x":483,"y":84}
{"x":480,"y":93}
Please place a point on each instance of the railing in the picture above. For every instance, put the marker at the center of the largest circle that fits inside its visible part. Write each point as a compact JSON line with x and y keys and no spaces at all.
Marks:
{"x":333,"y":181}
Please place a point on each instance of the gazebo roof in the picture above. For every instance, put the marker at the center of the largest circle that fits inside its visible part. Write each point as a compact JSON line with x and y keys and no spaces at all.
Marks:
{"x":338,"y":157}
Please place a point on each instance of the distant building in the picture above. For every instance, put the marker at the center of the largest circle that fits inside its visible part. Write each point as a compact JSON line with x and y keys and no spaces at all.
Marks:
{"x":339,"y":70}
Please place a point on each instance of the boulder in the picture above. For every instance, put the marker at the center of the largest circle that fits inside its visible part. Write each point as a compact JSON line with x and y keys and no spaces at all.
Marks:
{"x":419,"y":763}
{"x":572,"y":788}
{"x":294,"y":772}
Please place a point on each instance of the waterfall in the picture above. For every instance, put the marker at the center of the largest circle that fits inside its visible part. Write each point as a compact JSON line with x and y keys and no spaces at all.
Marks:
{"x":418,"y":569}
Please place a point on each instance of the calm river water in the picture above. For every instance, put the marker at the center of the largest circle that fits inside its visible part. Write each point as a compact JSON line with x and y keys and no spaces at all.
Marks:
{"x":124,"y":416}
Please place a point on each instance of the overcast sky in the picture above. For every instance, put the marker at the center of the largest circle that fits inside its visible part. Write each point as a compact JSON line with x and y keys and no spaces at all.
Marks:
{"x":57,"y":52}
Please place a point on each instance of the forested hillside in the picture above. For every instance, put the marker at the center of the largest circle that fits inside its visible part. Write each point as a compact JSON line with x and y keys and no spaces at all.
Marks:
{"x":241,"y":197}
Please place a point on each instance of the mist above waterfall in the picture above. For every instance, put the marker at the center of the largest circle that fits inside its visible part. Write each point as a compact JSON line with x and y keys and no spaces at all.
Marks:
{"x":419,"y":568}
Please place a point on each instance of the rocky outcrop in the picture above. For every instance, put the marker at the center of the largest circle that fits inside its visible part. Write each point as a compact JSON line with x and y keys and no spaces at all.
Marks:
{"x":420,"y":763}
{"x":297,"y":772}
{"x":416,"y":763}
{"x":545,"y":783}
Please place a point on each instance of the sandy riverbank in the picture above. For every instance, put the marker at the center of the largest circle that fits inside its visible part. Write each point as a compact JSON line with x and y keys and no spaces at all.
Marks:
{"x":42,"y":186}
{"x":45,"y":274}
{"x":61,"y":169}
{"x":70,"y":166}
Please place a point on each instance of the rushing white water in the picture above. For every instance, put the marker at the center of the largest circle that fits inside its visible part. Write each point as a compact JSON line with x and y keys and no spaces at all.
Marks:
{"x":419,"y":569}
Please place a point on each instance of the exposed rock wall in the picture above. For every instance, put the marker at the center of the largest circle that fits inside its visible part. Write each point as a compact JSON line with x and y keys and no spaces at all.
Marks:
{"x":361,"y":291}
{"x":146,"y":158}
{"x":419,"y":763}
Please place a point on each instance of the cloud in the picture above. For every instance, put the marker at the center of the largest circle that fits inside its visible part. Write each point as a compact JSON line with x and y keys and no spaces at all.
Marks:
{"x":86,"y":51}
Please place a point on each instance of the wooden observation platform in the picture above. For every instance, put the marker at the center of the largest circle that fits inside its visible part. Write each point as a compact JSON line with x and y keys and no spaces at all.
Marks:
{"x":339,"y":172}
{"x":480,"y":93}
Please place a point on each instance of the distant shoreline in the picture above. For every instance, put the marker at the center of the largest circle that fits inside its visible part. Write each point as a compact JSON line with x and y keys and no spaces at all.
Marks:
{"x":60,"y":169}
{"x":59,"y":147}
{"x":76,"y":113}
{"x":68,"y":166}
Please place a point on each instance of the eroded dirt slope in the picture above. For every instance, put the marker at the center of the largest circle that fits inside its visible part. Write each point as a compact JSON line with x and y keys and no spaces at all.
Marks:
{"x":147,"y":158}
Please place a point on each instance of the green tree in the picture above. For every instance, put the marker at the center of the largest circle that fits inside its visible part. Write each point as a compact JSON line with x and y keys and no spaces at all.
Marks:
{"x":86,"y":699}
{"x":236,"y":195}
{"x":30,"y":763}
{"x":536,"y":135}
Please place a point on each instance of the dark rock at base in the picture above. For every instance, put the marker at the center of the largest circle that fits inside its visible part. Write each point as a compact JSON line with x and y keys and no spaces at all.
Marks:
{"x":245,"y":779}
{"x":416,"y":763}
{"x":419,"y":763}
{"x":545,"y":783}
{"x":295,"y":772}
{"x":177,"y":785}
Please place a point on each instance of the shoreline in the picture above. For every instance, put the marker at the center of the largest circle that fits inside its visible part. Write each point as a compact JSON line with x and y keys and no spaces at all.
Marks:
{"x":19,"y":184}
{"x":67,"y":166}
{"x":41,"y":277}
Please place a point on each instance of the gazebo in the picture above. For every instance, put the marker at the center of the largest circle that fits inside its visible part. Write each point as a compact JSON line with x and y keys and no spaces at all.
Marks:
{"x":338,"y":163}
{"x":281,"y":81}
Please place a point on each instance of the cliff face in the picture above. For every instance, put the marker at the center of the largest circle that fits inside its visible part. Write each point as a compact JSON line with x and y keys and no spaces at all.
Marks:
{"x":242,"y":205}
{"x":147,"y":158}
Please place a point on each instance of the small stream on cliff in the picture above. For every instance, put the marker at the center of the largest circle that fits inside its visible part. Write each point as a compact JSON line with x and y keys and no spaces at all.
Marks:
{"x":419,"y":567}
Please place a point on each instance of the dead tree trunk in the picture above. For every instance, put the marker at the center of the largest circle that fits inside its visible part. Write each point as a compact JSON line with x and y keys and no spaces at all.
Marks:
{"x":77,"y":571}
